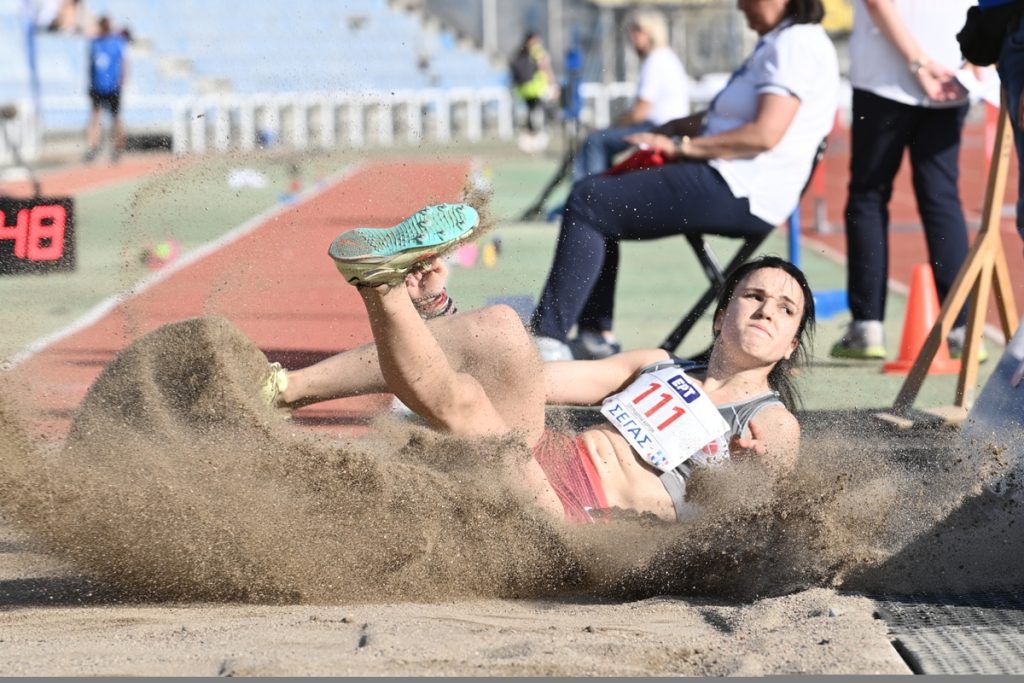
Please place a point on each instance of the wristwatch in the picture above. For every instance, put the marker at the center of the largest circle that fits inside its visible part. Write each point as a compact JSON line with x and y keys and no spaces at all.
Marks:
{"x":681,"y":146}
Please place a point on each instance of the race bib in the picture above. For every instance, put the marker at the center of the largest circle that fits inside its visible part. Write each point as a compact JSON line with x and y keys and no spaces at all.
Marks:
{"x":666,"y":417}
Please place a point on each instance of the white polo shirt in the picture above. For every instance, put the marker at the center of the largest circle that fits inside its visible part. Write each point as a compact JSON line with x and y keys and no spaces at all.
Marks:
{"x":792,"y":59}
{"x":878,"y":67}
{"x":663,"y":83}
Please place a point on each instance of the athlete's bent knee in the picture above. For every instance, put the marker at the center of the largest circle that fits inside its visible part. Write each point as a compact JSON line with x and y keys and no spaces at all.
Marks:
{"x":501,"y":318}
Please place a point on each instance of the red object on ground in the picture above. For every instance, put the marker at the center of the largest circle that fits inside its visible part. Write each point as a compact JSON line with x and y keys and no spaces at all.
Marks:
{"x":644,"y":158}
{"x":922,"y":312}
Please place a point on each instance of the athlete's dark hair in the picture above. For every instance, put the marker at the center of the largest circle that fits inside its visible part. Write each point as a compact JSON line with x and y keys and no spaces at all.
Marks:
{"x":806,"y":11}
{"x":781,"y":376}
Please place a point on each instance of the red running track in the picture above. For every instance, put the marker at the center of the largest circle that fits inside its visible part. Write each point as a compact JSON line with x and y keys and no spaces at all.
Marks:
{"x":275,"y":283}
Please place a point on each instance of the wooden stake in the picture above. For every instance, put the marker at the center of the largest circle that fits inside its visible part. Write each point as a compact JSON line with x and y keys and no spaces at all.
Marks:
{"x":985,"y":269}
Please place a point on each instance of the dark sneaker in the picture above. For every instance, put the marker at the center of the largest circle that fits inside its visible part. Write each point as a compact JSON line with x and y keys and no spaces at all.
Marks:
{"x":955,"y":344}
{"x":591,"y":345}
{"x":384,"y":256}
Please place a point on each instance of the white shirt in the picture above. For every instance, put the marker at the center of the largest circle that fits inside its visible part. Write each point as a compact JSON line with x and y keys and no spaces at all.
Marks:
{"x":663,"y":84}
{"x":878,"y":67}
{"x":792,"y":59}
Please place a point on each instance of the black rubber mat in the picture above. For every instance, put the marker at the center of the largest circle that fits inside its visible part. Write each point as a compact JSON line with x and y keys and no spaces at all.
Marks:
{"x":957,"y":634}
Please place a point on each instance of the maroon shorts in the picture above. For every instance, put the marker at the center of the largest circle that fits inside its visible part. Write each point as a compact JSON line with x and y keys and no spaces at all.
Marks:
{"x":569,"y":470}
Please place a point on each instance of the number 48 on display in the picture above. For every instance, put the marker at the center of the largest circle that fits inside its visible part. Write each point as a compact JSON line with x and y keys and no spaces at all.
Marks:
{"x":36,"y":235}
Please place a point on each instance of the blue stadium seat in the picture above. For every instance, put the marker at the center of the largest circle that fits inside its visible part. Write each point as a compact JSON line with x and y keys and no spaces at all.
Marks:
{"x":257,"y":46}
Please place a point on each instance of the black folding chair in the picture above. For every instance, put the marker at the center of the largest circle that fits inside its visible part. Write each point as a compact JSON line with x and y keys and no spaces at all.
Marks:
{"x":716,"y":274}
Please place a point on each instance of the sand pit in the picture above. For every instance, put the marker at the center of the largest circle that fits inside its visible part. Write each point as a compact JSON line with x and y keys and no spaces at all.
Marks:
{"x":180,"y":511}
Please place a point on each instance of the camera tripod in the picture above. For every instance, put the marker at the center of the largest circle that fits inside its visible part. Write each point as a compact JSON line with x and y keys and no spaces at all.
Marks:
{"x":572,"y":129}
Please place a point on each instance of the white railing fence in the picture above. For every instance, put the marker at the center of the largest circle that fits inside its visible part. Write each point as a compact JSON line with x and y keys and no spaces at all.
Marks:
{"x":199,"y":124}
{"x":365,"y":119}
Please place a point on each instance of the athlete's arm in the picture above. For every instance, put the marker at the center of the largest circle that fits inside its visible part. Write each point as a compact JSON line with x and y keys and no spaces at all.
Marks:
{"x":587,"y":382}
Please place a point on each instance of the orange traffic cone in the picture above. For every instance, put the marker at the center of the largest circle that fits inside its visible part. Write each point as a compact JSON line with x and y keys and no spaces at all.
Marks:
{"x":922,"y":312}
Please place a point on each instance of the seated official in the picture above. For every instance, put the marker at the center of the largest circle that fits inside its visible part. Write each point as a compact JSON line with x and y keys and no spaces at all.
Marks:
{"x":737,"y":169}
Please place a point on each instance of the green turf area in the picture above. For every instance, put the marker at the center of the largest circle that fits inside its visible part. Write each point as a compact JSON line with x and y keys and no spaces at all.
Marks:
{"x":658,"y":281}
{"x":113,"y":226}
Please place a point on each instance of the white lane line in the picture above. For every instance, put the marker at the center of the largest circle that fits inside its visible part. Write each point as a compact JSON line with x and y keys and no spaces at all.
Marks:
{"x":101,"y":309}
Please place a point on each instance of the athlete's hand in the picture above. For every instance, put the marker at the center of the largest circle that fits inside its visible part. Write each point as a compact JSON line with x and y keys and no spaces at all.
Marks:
{"x":755,"y":445}
{"x":428,"y":281}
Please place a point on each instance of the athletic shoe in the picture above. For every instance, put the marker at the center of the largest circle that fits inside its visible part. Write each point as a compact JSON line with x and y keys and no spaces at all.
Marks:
{"x":552,"y":349}
{"x":400,"y":411}
{"x":274,"y":384}
{"x":590,"y":345}
{"x":864,"y":340}
{"x":369,"y":257}
{"x":955,"y":342}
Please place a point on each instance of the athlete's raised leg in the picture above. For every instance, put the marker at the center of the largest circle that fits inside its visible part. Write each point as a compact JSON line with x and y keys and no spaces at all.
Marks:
{"x":472,"y":373}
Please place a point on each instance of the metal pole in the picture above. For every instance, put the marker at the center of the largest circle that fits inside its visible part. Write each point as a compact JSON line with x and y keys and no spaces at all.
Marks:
{"x":489,"y":28}
{"x":556,"y":32}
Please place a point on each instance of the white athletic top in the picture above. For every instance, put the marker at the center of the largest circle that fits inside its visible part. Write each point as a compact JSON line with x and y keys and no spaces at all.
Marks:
{"x":878,"y":67}
{"x":792,"y":59}
{"x":664,"y":84}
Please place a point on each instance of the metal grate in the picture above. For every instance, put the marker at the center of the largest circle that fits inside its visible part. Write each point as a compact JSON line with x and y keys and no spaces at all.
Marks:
{"x":957,"y":634}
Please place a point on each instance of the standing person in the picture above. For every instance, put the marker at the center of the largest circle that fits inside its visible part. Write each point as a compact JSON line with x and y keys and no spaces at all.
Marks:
{"x":994,"y":33}
{"x":476,"y":374}
{"x":534,"y":82}
{"x":107,"y":67}
{"x":903,"y":58}
{"x":735,"y":170}
{"x":662,"y":95}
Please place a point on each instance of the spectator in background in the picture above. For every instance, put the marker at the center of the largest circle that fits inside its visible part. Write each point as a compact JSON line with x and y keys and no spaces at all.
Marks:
{"x":903,"y":62}
{"x":662,"y":94}
{"x":534,"y":82}
{"x":995,"y":31}
{"x":107,"y":65}
{"x":736,"y":169}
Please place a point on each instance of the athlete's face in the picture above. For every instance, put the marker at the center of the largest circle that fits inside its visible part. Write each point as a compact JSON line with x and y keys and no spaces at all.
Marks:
{"x":762,"y":318}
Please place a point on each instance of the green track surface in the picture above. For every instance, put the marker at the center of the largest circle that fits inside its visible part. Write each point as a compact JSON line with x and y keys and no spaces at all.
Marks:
{"x":658,"y":279}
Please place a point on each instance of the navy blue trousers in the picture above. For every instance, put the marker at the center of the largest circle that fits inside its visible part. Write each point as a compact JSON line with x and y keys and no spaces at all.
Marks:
{"x":882,"y":129}
{"x":599,"y":148}
{"x":675,"y":199}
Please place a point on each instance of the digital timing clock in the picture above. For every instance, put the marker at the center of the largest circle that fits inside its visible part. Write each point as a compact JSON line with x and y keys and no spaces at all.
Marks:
{"x":36,"y":235}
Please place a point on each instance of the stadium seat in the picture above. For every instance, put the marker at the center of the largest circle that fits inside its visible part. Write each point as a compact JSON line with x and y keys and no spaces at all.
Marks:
{"x":260,"y":46}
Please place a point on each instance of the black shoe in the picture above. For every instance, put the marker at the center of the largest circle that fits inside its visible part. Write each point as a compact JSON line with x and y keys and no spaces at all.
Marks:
{"x":591,"y":345}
